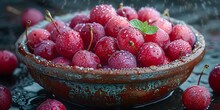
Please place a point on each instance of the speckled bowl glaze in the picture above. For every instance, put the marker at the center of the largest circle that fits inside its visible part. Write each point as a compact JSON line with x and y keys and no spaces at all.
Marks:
{"x":106,"y":87}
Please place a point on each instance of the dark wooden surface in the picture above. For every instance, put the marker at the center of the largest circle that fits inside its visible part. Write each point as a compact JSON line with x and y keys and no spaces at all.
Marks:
{"x":203,"y":15}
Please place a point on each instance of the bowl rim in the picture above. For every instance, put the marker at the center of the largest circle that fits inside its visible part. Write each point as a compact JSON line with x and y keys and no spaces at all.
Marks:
{"x":80,"y":73}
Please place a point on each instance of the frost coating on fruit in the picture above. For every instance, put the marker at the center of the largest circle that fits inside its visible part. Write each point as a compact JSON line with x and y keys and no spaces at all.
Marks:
{"x":148,"y":14}
{"x":69,"y":43}
{"x":163,"y":24}
{"x":115,"y":24}
{"x":160,"y":37}
{"x":183,"y":32}
{"x":102,"y":13}
{"x":5,"y":98}
{"x":8,"y":62}
{"x":61,"y":61}
{"x":50,"y":26}
{"x":104,"y":48}
{"x":91,"y":32}
{"x":36,"y":36}
{"x":46,"y":49}
{"x":51,"y":104}
{"x":214,"y":79}
{"x":130,"y":39}
{"x":128,"y":12}
{"x":86,"y":59}
{"x":122,"y":59}
{"x":32,"y":15}
{"x":178,"y":48}
{"x":196,"y":98}
{"x":150,"y":54}
{"x":80,"y":18}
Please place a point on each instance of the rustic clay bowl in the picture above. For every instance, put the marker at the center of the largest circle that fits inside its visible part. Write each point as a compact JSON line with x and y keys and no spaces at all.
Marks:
{"x":110,"y":88}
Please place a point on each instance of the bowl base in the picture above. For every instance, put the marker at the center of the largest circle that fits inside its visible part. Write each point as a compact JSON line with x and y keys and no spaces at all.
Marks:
{"x":154,"y":101}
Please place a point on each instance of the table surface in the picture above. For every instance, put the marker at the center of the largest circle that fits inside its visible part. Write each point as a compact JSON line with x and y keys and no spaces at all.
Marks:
{"x":203,"y":15}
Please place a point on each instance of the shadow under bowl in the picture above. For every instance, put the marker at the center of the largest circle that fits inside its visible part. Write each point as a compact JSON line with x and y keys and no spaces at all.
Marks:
{"x":108,"y":87}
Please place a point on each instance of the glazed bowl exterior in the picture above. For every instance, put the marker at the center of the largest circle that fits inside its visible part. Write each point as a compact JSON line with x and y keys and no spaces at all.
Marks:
{"x":109,"y":87}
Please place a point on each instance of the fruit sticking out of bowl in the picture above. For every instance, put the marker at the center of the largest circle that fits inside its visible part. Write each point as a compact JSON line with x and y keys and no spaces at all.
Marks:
{"x":51,"y":104}
{"x":8,"y":62}
{"x":214,"y":79}
{"x":5,"y":98}
{"x":196,"y":97}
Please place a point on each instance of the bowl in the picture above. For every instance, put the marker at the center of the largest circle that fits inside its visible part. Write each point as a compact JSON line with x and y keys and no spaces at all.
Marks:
{"x":110,"y":87}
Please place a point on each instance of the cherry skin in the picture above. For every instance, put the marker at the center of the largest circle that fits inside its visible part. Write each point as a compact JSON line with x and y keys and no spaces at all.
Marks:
{"x":128,"y":12}
{"x":87,"y":59}
{"x":183,"y":32}
{"x":150,"y":54}
{"x":50,"y":26}
{"x":160,"y":37}
{"x":115,"y":24}
{"x":61,"y":60}
{"x":196,"y":98}
{"x":163,"y":24}
{"x":5,"y":98}
{"x":46,"y":49}
{"x":68,"y":43}
{"x":36,"y":36}
{"x":80,"y":18}
{"x":130,"y":39}
{"x":102,"y":13}
{"x":91,"y":32}
{"x":214,"y":79}
{"x":178,"y":48}
{"x":148,"y":14}
{"x":8,"y":62}
{"x":122,"y":59}
{"x":104,"y":48}
{"x":51,"y":104}
{"x":32,"y":15}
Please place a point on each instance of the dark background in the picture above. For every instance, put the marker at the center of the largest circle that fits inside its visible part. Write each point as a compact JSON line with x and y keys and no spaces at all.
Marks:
{"x":202,"y":14}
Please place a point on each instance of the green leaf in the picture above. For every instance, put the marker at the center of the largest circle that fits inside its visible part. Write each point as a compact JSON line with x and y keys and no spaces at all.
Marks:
{"x":151,"y":30}
{"x":143,"y":26}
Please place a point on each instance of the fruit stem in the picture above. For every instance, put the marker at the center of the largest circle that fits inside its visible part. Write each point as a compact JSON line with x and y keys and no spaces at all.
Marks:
{"x":13,"y":10}
{"x":121,"y":5}
{"x":166,"y":13}
{"x":27,"y":26}
{"x":205,"y":67}
{"x":48,"y":15}
{"x":131,"y":43}
{"x":91,"y":33}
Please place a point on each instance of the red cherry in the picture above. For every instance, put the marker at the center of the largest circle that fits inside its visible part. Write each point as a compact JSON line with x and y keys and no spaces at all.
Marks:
{"x":32,"y":15}
{"x":178,"y":48}
{"x":163,"y":24}
{"x":214,"y":79}
{"x":68,"y":43}
{"x":150,"y":54}
{"x":36,"y":36}
{"x":196,"y":98}
{"x":84,"y":58}
{"x":183,"y":32}
{"x":115,"y":24}
{"x":46,"y":49}
{"x":160,"y":37}
{"x":8,"y":62}
{"x":50,"y":26}
{"x":130,"y":39}
{"x":102,"y":13}
{"x":61,"y":61}
{"x":148,"y":14}
{"x":128,"y":12}
{"x":80,"y":18}
{"x":51,"y":104}
{"x":122,"y":59}
{"x":5,"y":98}
{"x":104,"y":48}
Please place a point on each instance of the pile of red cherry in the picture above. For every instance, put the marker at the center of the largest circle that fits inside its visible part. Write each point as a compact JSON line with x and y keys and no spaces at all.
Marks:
{"x":109,"y":38}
